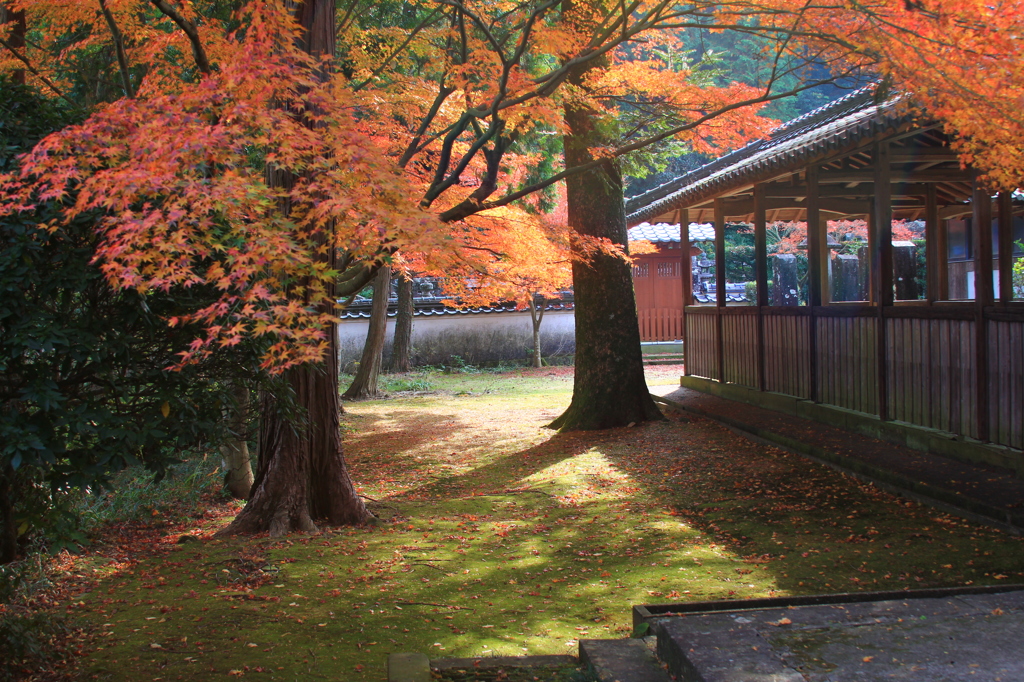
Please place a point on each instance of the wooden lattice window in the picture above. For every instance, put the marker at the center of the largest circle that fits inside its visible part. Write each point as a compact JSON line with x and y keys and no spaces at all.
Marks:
{"x":641,"y":270}
{"x":668,"y":269}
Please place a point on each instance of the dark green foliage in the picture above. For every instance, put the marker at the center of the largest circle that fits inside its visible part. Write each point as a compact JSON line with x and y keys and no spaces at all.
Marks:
{"x":84,"y":384}
{"x":29,"y":639}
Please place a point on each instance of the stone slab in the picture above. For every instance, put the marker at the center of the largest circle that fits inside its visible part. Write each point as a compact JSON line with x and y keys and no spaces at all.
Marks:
{"x":622,"y":660}
{"x":492,"y":662}
{"x":408,"y":667}
{"x":976,"y":637}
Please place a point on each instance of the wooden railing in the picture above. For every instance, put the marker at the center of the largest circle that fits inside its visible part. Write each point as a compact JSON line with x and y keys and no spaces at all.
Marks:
{"x":929,"y":373}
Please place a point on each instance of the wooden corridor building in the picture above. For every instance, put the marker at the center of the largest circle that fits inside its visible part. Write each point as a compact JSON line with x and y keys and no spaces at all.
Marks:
{"x":955,"y":366}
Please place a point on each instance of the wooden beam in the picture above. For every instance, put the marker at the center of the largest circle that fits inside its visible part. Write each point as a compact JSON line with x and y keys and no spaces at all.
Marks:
{"x":930,"y":175}
{"x":744,"y":206}
{"x":760,"y":275}
{"x":923,"y":155}
{"x":983,"y":293}
{"x":862,"y":190}
{"x":1005,"y":218}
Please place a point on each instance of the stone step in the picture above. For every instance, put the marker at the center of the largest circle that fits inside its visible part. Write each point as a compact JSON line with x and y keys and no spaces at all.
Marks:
{"x":622,"y":660}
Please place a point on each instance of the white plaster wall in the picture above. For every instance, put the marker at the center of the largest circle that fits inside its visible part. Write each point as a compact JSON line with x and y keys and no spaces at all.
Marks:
{"x":557,"y":324}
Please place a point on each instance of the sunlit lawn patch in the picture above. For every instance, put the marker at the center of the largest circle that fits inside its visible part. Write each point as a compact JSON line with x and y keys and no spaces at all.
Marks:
{"x":503,"y":538}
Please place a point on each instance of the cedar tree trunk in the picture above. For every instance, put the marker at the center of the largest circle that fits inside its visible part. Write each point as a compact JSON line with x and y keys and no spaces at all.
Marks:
{"x":302,"y":473}
{"x":364,"y":385}
{"x":402,"y":346}
{"x":609,"y":388}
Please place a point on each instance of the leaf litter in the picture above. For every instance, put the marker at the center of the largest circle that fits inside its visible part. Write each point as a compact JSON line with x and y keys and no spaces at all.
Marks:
{"x":503,"y":538}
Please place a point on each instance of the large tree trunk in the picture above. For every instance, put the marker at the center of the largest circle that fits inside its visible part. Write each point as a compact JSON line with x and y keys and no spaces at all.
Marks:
{"x":364,"y":385}
{"x":609,"y":388}
{"x":401,"y":348}
{"x":302,"y":473}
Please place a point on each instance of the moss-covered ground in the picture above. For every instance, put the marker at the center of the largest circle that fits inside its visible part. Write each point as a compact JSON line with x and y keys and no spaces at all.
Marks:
{"x":504,"y":538}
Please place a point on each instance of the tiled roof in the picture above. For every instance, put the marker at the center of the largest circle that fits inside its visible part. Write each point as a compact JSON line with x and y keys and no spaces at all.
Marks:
{"x":661,"y":233}
{"x":839,"y":124}
{"x":354,"y":314}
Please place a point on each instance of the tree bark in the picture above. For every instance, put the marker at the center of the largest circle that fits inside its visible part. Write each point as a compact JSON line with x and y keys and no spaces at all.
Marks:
{"x":238,"y":476}
{"x":401,"y":348}
{"x":302,"y":473}
{"x":536,"y":316}
{"x":609,"y":388}
{"x":364,"y":385}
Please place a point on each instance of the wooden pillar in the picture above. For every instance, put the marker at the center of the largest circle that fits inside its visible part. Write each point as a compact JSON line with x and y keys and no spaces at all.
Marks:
{"x":760,"y":275}
{"x":1005,"y":217}
{"x":687,"y":276}
{"x":981,"y":219}
{"x":881,"y":261}
{"x":816,"y":271}
{"x":936,"y":248}
{"x":720,"y":283}
{"x":880,"y":248}
{"x":720,"y":252}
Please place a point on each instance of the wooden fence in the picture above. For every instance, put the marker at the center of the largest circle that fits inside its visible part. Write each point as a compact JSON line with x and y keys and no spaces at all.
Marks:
{"x":661,"y":324}
{"x":929,"y":359}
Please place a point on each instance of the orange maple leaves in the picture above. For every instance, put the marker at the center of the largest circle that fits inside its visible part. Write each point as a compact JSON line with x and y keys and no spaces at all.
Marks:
{"x":176,"y":180}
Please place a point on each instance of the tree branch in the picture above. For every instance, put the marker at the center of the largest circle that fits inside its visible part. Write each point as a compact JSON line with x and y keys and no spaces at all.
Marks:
{"x":122,"y":58}
{"x":190,"y":30}
{"x":35,"y":72}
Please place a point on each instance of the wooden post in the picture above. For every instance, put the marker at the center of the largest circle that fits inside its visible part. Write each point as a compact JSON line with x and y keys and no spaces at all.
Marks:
{"x":880,"y":247}
{"x":687,"y":275}
{"x":760,"y":275}
{"x":720,"y":283}
{"x":981,"y":219}
{"x":816,"y":269}
{"x":936,"y":248}
{"x":720,"y":252}
{"x":1005,"y":217}
{"x":816,"y":242}
{"x":881,"y":261}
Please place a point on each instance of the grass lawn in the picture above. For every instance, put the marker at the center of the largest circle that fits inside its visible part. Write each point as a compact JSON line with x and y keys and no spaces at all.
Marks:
{"x":504,"y":538}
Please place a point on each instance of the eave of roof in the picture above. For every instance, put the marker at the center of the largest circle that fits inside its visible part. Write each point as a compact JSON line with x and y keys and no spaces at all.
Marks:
{"x":843,"y":124}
